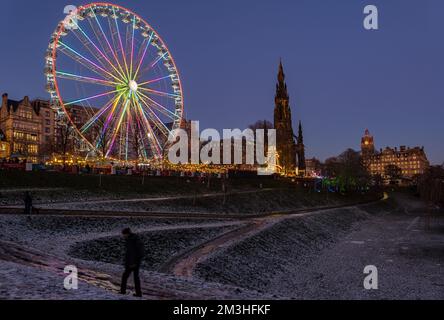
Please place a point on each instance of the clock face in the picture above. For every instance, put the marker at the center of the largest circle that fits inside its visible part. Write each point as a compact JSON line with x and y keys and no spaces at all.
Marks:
{"x":366,"y":143}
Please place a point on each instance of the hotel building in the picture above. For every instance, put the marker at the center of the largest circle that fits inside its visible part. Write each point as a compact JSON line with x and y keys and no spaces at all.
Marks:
{"x":408,"y":162}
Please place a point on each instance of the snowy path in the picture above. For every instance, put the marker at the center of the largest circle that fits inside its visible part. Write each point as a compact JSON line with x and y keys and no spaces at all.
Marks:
{"x":184,"y":264}
{"x":150,"y":199}
{"x":14,"y":190}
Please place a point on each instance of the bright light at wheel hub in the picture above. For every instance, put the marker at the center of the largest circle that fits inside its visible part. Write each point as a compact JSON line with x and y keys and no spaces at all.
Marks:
{"x":133,"y":85}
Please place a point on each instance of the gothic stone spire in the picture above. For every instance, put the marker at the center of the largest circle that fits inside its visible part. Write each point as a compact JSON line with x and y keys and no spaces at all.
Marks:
{"x":286,"y":146}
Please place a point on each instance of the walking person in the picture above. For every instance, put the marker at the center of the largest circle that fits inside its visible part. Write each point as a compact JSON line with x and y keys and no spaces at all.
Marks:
{"x":28,"y":202}
{"x":134,"y":252}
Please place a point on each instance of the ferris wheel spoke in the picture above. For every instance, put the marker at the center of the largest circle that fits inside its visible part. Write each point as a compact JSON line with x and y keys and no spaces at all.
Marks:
{"x":159,"y":93}
{"x":116,"y":45}
{"x":151,"y":135}
{"x":92,"y":120}
{"x":111,"y":116}
{"x":129,"y":45}
{"x":93,"y":97}
{"x":154,"y":80}
{"x":97,"y":53}
{"x":75,"y":77}
{"x":100,"y":112}
{"x":165,"y":111}
{"x":159,"y":123}
{"x":139,"y":135}
{"x":105,"y":132}
{"x":147,"y":123}
{"x":143,"y":54}
{"x":103,"y":35}
{"x":132,"y":48}
{"x":76,"y":56}
{"x":84,"y":40}
{"x":119,"y":123}
{"x":158,"y":59}
{"x":116,"y":31}
{"x":154,"y":62}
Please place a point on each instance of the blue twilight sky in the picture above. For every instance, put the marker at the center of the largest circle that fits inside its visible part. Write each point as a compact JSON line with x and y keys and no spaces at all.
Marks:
{"x":342,"y":79}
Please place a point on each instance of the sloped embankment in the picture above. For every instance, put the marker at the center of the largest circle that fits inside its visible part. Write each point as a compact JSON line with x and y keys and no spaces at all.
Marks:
{"x":264,"y":260}
{"x":159,"y":245}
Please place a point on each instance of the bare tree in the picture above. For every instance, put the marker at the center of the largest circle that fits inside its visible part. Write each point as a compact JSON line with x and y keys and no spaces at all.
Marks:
{"x":393,"y":172}
{"x":261,"y":124}
{"x":431,"y":185}
{"x":103,"y":139}
{"x":64,"y":143}
{"x":46,"y":149}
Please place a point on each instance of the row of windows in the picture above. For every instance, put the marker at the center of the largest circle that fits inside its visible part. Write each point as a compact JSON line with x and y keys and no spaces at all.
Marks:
{"x":379,"y":163}
{"x":24,"y":136}
{"x":414,"y":157}
{"x":25,"y":114}
{"x":23,"y":126}
{"x":405,"y":172}
{"x":22,"y":148}
{"x":383,"y":168}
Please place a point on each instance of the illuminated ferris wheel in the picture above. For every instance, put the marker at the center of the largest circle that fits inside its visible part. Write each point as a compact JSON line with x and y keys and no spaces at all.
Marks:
{"x":112,"y":78}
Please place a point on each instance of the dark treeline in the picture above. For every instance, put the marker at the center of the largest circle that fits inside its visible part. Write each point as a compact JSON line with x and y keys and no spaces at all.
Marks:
{"x":431,"y":185}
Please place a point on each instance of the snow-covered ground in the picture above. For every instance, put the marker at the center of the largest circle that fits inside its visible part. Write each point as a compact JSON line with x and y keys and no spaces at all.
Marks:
{"x":36,"y":248}
{"x":324,"y":256}
{"x":237,"y":201}
{"x":317,"y":255}
{"x":160,"y":245}
{"x":18,"y":281}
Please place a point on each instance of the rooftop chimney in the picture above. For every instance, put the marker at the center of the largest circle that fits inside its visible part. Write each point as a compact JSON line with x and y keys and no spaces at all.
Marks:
{"x":5,"y":99}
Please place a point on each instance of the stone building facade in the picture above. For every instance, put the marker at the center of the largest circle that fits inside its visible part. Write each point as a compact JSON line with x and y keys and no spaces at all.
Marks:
{"x":28,"y":126}
{"x":31,"y":131}
{"x":403,"y":162}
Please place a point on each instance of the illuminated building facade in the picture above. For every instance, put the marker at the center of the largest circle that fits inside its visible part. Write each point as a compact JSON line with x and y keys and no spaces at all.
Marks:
{"x":28,"y":127}
{"x":403,"y":162}
{"x":4,"y":146}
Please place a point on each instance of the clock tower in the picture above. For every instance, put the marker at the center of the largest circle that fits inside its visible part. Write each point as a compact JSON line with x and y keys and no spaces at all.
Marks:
{"x":367,"y":146}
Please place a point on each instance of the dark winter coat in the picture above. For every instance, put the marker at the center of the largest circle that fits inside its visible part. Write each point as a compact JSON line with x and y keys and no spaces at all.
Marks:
{"x":28,"y":199}
{"x":134,"y":251}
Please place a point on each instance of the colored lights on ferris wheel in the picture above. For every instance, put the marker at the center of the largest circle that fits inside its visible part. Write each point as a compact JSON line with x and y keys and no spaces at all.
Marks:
{"x":124,"y":78}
